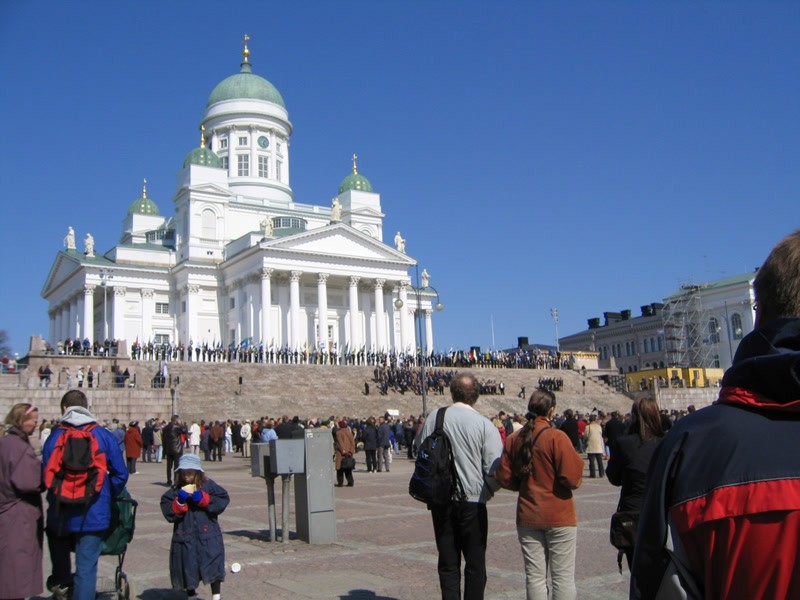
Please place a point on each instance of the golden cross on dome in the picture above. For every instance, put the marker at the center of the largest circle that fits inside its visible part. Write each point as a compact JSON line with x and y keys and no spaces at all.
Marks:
{"x":202,"y":136}
{"x":144,"y":188}
{"x":355,"y":168}
{"x":246,"y":51}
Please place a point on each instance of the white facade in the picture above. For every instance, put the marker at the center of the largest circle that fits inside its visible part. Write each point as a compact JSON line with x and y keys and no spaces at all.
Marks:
{"x":240,"y":260}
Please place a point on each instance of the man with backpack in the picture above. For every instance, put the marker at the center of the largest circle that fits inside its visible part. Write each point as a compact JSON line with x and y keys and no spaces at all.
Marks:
{"x":461,"y":525}
{"x":84,"y":470}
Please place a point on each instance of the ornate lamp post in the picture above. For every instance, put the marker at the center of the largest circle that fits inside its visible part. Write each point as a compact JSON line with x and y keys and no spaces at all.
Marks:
{"x":554,"y":314}
{"x":419,"y":316}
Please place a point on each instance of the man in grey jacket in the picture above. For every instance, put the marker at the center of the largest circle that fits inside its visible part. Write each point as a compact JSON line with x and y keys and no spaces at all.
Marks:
{"x":461,"y":527}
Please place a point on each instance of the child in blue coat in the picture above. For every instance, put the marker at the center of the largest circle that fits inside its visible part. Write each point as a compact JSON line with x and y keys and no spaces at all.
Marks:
{"x":197,"y":552}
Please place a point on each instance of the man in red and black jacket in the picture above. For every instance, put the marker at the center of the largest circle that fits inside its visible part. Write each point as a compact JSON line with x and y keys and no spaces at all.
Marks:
{"x":721,"y":514}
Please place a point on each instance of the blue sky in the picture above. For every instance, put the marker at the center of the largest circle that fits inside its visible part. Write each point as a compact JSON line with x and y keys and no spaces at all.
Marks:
{"x":588,"y":156}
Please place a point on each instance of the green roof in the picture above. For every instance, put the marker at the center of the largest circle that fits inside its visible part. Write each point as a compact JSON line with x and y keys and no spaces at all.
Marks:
{"x":355,"y":181}
{"x":202,"y":156}
{"x":245,"y":84}
{"x":143,"y":206}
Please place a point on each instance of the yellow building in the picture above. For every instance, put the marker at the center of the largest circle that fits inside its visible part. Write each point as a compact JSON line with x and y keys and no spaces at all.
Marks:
{"x":673,"y":377}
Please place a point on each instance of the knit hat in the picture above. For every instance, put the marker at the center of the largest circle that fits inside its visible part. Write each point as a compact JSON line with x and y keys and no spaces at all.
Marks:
{"x":190,"y":461}
{"x":342,"y":424}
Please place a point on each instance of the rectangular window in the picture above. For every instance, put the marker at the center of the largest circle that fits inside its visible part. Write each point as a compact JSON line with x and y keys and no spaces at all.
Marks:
{"x":161,"y":338}
{"x":244,"y":165}
{"x":263,"y":166}
{"x":162,"y":308}
{"x":278,"y":171}
{"x":183,"y":306}
{"x":223,"y":143}
{"x":224,"y":161}
{"x":232,"y":303}
{"x":243,"y":141}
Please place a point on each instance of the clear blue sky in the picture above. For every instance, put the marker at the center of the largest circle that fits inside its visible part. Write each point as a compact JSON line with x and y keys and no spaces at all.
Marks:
{"x":588,"y":156}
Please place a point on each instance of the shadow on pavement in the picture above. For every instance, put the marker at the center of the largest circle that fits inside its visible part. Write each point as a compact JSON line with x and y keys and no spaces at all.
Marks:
{"x":364,"y":595}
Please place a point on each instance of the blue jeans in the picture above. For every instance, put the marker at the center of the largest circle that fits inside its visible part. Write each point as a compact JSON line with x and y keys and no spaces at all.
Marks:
{"x":87,"y":547}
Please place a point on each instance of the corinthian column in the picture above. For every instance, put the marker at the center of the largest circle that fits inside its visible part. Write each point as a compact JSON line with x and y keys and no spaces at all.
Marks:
{"x":266,"y":299}
{"x":403,"y":317}
{"x":322,"y":302}
{"x":428,"y":331}
{"x":379,"y":316}
{"x":87,"y":328}
{"x":355,"y":335}
{"x":294,"y":307}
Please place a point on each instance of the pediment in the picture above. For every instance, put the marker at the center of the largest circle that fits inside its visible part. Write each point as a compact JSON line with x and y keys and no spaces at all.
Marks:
{"x":338,"y":240}
{"x":63,"y":268}
{"x":210,"y":188}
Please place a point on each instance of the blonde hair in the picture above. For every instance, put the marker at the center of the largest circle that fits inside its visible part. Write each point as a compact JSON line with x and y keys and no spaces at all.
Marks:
{"x":17,"y":415}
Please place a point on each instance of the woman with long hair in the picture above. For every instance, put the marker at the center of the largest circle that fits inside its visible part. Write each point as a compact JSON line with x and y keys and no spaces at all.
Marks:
{"x":21,"y":520}
{"x":630,"y":458}
{"x":541,"y":464}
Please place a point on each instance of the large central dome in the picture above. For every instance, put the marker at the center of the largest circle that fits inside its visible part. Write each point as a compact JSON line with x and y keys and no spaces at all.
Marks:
{"x":245,"y":84}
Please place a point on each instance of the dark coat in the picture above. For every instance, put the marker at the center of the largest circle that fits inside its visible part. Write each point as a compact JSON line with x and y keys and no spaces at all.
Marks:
{"x":171,"y":439}
{"x":344,"y":444}
{"x":384,"y":435}
{"x":21,"y":520}
{"x":197,"y":552}
{"x":570,"y":427}
{"x":628,"y":466}
{"x":370,"y":436}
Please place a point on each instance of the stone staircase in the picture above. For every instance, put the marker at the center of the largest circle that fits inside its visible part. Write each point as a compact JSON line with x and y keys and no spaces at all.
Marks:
{"x":213,"y":390}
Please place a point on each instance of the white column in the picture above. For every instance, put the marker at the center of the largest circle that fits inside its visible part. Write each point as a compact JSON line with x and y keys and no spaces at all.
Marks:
{"x":266,"y":300}
{"x":189,"y":319}
{"x":241,"y":315}
{"x":404,"y":317}
{"x":69,"y":326}
{"x":59,"y":323}
{"x":251,"y":138}
{"x":355,"y":319}
{"x":428,"y":331}
{"x":250,"y":294}
{"x":148,"y":308}
{"x":380,"y":320}
{"x":232,"y":142}
{"x":322,"y":303}
{"x":87,"y":328}
{"x":118,"y":312}
{"x":294,"y":308}
{"x":51,"y":334}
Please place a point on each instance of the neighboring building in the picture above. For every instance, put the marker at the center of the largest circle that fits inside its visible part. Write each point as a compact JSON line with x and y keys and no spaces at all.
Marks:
{"x":697,"y":326}
{"x":240,"y":261}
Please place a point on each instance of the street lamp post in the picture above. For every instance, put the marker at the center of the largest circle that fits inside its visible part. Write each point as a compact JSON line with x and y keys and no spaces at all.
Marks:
{"x":554,"y":314}
{"x":418,"y":315}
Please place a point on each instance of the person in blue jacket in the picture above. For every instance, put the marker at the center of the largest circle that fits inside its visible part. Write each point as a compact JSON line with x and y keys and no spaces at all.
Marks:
{"x":197,"y":552}
{"x":81,"y":529}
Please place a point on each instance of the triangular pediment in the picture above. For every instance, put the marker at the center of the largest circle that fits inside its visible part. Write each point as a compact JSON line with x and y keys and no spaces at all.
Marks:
{"x":210,"y":188}
{"x":338,"y":240}
{"x":63,"y":268}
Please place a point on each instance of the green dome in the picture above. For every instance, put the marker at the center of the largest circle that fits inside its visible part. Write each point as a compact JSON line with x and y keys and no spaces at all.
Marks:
{"x":202,"y":156}
{"x":355,"y":181}
{"x":245,"y":84}
{"x":143,"y":206}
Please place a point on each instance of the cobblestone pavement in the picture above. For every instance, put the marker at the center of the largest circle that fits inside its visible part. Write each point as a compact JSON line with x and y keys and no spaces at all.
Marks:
{"x":385,"y":548}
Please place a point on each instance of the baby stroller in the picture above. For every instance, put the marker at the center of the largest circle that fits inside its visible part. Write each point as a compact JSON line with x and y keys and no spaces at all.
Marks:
{"x":123,"y":522}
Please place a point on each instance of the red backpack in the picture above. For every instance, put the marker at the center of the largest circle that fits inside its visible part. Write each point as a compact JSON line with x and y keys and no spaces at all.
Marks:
{"x":77,"y":468}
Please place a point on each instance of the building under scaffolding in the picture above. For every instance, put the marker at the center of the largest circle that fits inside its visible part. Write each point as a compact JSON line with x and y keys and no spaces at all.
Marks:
{"x":689,"y":339}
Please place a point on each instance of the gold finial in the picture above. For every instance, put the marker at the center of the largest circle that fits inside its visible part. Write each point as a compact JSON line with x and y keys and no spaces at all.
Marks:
{"x":355,"y":167}
{"x":202,"y":136}
{"x":246,"y":51}
{"x":144,"y":188}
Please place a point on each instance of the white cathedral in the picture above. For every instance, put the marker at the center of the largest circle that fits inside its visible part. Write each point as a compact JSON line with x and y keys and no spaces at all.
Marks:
{"x":240,"y":261}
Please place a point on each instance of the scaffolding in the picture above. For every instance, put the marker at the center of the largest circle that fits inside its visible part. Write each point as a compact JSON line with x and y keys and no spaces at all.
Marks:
{"x":689,"y":339}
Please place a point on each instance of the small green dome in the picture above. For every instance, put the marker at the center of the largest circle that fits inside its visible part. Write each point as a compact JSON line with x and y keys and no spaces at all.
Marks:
{"x":143,"y":206}
{"x":245,"y":84}
{"x":202,"y":156}
{"x":355,"y":181}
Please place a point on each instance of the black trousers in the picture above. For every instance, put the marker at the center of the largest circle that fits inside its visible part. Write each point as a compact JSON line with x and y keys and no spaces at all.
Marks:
{"x":461,"y":530}
{"x":341,"y":474}
{"x":372,"y":460}
{"x":172,"y":462}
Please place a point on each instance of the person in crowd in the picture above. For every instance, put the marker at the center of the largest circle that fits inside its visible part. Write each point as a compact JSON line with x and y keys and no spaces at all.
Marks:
{"x":461,"y":526}
{"x":147,"y":441}
{"x":158,"y":439}
{"x":75,"y":528}
{"x":247,"y":436}
{"x":172,"y":444}
{"x":133,"y":446}
{"x":267,"y":432}
{"x":541,"y":464}
{"x":631,"y":457}
{"x":193,"y":506}
{"x":614,"y":429}
{"x":720,"y":513}
{"x":344,"y":445}
{"x":570,"y":427}
{"x":194,"y":438}
{"x":384,"y":445}
{"x":217,"y":440}
{"x":370,"y":437}
{"x":595,"y":447}
{"x":21,"y":520}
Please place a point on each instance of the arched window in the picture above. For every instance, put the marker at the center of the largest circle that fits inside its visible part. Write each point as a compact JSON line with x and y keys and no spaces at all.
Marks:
{"x":713,"y":330}
{"x":660,"y":344}
{"x":736,"y":326}
{"x":208,"y":223}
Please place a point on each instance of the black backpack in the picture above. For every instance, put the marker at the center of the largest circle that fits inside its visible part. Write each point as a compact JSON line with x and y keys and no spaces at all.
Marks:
{"x":435,"y":480}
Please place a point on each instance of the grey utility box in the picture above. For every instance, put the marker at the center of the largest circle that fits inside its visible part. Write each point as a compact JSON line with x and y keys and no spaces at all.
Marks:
{"x":259,"y":460}
{"x":315,"y":508}
{"x":286,"y":457}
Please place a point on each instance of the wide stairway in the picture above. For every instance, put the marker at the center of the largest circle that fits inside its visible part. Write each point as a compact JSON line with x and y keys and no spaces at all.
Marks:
{"x":250,"y":390}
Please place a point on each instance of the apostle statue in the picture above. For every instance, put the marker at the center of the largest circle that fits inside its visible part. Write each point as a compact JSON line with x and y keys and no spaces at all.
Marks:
{"x":266,"y":227}
{"x":69,"y":239}
{"x":88,"y":245}
{"x":400,"y":243}
{"x":426,"y":278}
{"x":336,"y":210}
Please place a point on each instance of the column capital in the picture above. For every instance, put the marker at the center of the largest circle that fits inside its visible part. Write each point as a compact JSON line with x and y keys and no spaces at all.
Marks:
{"x":295,"y":276}
{"x":266,"y":272}
{"x":88,"y":290}
{"x":427,"y":312}
{"x":192,"y":289}
{"x":379,"y":283}
{"x":120,"y":290}
{"x":147,"y":293}
{"x":322,"y":277}
{"x":354,"y":279}
{"x":403,"y":285}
